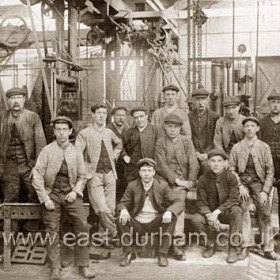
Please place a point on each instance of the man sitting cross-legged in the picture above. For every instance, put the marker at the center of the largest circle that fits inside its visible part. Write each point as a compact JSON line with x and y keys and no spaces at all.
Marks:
{"x":148,"y":206}
{"x":217,"y":201}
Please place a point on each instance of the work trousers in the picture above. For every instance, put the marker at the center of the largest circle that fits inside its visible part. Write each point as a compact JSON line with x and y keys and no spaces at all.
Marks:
{"x":76,"y":214}
{"x":179,"y":230}
{"x":264,"y":219}
{"x":233,"y":217}
{"x":102,"y":196}
{"x":128,"y":232}
{"x":276,"y":162}
{"x":16,"y":173}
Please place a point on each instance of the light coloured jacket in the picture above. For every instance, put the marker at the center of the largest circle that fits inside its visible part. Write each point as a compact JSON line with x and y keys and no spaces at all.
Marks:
{"x":224,"y":128}
{"x":262,"y":159}
{"x":185,"y":155}
{"x":48,"y":165}
{"x":89,"y":141}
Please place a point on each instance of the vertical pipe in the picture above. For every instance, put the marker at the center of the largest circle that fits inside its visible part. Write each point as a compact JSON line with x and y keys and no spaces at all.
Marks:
{"x":233,"y":41}
{"x":256,"y":59}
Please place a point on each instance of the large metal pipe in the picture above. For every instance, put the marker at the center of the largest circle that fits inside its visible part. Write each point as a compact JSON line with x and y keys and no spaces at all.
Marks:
{"x":217,"y":79}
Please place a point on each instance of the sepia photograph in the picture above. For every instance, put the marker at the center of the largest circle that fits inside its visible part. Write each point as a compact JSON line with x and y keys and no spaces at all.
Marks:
{"x":140,"y":139}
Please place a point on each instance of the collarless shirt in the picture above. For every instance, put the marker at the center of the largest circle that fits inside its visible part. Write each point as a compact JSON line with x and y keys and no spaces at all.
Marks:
{"x":148,"y":212}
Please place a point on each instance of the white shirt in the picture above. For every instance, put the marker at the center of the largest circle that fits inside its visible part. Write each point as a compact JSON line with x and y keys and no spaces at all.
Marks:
{"x":148,"y":212}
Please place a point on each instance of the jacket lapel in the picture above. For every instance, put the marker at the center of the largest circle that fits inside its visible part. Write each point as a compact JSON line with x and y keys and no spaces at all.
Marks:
{"x":139,"y":196}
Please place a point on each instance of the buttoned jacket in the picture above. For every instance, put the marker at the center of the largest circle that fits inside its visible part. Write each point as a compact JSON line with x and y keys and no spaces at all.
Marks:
{"x":184,"y":153}
{"x":262,"y":159}
{"x":226,"y":186}
{"x":224,"y":129}
{"x":30,"y":130}
{"x":48,"y":166}
{"x":89,"y":140}
{"x":203,"y":145}
{"x":163,"y":199}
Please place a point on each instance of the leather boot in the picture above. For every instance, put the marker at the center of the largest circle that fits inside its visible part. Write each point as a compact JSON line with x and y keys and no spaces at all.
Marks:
{"x":232,"y":255}
{"x":271,"y":256}
{"x":243,"y":254}
{"x":162,"y":259}
{"x":209,"y":252}
{"x":55,"y":275}
{"x":85,"y":272}
{"x":179,"y":253}
{"x":130,"y":256}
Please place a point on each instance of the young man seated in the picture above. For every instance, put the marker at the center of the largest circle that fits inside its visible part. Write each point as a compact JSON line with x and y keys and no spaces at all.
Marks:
{"x":59,"y":179}
{"x":251,"y":163}
{"x":148,"y":206}
{"x":217,"y":202}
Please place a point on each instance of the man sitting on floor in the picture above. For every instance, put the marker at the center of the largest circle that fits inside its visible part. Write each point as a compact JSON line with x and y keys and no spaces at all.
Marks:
{"x":217,"y":202}
{"x":148,"y":206}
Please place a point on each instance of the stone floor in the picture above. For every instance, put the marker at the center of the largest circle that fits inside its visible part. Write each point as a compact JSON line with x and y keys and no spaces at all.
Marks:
{"x":194,"y":268}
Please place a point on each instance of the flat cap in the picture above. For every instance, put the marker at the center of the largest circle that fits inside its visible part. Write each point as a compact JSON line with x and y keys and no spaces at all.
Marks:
{"x":137,"y":109}
{"x":17,"y":91}
{"x":148,"y":161}
{"x":62,"y":119}
{"x":217,"y":152}
{"x":231,"y":100}
{"x":98,"y":106}
{"x":252,"y":119}
{"x":200,"y":93}
{"x":114,"y":109}
{"x":274,"y":95}
{"x":170,"y":87}
{"x":173,"y":118}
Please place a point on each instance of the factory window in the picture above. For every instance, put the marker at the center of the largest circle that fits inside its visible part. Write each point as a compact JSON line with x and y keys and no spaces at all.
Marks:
{"x":128,"y":81}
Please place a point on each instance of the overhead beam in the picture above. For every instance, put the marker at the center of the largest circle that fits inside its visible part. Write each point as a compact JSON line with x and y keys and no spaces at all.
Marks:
{"x":158,"y":6}
{"x":120,"y":5}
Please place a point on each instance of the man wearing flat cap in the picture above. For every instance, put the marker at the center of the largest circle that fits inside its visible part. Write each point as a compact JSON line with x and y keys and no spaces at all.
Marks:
{"x":251,"y":162}
{"x":229,"y":129}
{"x":119,"y":127}
{"x":218,"y":204}
{"x":139,"y":142}
{"x":147,"y":207}
{"x":59,"y":179}
{"x":203,"y":123}
{"x":101,"y":148}
{"x":171,"y":96}
{"x":21,"y":140}
{"x":177,"y":164}
{"x":270,"y":134}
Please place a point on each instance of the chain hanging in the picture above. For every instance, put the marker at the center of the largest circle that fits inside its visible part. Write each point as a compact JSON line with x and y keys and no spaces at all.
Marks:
{"x":194,"y":48}
{"x":199,"y":18}
{"x":189,"y":49}
{"x":199,"y":46}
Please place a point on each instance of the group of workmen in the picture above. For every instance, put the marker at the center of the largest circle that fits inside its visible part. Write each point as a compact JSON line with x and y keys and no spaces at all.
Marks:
{"x":137,"y":177}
